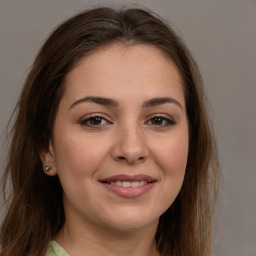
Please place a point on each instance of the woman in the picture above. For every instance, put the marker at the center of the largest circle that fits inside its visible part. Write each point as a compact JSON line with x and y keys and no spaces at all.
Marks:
{"x":111,"y":150}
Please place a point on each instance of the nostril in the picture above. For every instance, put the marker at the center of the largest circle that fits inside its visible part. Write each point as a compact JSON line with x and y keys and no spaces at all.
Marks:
{"x":124,"y":158}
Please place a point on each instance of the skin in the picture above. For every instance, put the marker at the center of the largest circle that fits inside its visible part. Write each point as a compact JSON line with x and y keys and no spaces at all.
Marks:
{"x":125,"y":139}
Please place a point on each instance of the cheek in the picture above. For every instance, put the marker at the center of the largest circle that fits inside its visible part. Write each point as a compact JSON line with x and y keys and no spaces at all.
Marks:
{"x":79,"y":155}
{"x":172,"y":159}
{"x":172,"y":155}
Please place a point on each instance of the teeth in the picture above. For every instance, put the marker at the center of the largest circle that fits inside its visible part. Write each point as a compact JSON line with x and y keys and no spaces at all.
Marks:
{"x":128,"y":184}
{"x":119,"y":183}
{"x":135,"y":184}
{"x":142,"y":183}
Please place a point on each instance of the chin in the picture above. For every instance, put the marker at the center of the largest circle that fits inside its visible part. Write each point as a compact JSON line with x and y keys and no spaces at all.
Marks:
{"x":130,"y":221}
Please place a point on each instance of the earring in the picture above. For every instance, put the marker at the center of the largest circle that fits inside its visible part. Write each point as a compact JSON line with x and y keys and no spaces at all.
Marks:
{"x":47,"y":168}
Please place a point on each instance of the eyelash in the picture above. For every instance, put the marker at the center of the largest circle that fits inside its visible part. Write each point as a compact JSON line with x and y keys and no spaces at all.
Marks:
{"x":168,"y":121}
{"x":86,"y":122}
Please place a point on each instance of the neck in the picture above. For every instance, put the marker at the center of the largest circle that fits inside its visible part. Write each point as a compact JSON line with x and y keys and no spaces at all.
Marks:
{"x":83,"y":239}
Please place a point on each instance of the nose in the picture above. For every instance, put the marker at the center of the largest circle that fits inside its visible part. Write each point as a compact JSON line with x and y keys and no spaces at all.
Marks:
{"x":130,"y":146}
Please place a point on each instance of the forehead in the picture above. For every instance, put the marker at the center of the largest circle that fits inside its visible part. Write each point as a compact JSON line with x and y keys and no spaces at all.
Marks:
{"x":120,"y":69}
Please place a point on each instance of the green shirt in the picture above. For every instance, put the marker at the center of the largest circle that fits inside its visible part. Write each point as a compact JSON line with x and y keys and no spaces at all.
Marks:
{"x":55,"y":250}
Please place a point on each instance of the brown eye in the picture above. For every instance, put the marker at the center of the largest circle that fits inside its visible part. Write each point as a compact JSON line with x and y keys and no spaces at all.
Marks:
{"x":161,"y":121}
{"x":94,"y":121}
{"x":157,"y":121}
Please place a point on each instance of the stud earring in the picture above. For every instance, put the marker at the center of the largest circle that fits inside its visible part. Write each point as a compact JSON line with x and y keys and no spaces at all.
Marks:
{"x":47,"y":168}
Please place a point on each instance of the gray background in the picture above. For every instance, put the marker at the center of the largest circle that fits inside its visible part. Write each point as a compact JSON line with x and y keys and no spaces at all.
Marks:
{"x":222,"y":38}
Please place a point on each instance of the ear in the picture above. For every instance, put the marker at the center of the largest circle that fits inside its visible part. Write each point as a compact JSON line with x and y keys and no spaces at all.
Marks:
{"x":47,"y":158}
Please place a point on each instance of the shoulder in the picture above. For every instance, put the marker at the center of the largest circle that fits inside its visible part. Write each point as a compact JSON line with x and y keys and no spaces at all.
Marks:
{"x":55,"y":250}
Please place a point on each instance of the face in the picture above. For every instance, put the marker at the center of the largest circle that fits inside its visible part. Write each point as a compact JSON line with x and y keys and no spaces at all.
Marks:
{"x":120,"y":138}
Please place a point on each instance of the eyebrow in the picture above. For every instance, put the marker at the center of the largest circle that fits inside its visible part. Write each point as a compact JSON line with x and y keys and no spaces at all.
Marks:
{"x":159,"y":101}
{"x":97,"y":100}
{"x":114,"y":103}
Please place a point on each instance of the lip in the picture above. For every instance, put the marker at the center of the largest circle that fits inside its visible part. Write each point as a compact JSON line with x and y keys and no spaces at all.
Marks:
{"x":124,"y":177}
{"x":129,"y":192}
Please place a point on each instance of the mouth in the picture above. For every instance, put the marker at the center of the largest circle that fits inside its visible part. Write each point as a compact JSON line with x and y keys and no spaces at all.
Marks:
{"x":129,"y":186}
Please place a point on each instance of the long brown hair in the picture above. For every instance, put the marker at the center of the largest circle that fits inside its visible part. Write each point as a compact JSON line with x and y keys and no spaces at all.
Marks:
{"x":34,"y":207}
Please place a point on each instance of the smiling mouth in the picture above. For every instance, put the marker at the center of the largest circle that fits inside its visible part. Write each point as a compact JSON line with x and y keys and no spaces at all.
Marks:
{"x":129,"y":186}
